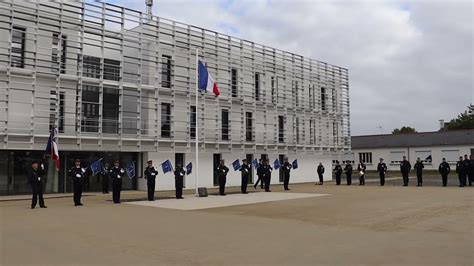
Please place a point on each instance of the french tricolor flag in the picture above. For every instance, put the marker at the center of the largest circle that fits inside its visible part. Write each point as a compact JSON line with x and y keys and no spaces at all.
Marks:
{"x":52,"y":147}
{"x":205,"y":81}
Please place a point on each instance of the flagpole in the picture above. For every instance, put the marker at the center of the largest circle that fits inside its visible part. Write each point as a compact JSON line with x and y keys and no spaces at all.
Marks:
{"x":197,"y":124}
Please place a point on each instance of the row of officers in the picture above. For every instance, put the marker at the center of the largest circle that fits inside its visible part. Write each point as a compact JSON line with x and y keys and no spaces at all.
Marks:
{"x":464,"y":169}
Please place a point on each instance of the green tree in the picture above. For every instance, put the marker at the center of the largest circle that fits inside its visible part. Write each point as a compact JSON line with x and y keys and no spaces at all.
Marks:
{"x":404,"y":130}
{"x":463,"y":121}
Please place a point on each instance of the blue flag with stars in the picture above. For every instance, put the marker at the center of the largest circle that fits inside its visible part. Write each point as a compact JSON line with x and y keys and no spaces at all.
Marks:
{"x":189,"y":168}
{"x":131,"y":170}
{"x":295,"y":164}
{"x":166,"y":166}
{"x":276,"y":164}
{"x":255,"y":163}
{"x":236,"y":165}
{"x":96,"y":167}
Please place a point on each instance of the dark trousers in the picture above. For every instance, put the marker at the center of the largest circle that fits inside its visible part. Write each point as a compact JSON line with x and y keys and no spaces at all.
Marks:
{"x":222,"y":180}
{"x":405,"y":179}
{"x":338,"y":179}
{"x":37,"y":189}
{"x":320,"y":178}
{"x":444,"y":178}
{"x":116,"y":188}
{"x":260,"y":179}
{"x":78,"y":186}
{"x":105,"y":184}
{"x":243,"y":186}
{"x":382,"y":178}
{"x":267,"y":183}
{"x":286,"y":180}
{"x":362,"y":180}
{"x":178,"y":184}
{"x":462,"y":180}
{"x":419,"y":179}
{"x":151,"y":189}
{"x":349,"y":179}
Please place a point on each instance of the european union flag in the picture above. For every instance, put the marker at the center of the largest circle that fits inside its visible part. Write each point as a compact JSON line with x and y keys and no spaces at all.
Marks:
{"x":96,"y":167}
{"x":295,"y":164}
{"x":189,"y":168}
{"x":276,"y":164}
{"x":166,"y":166}
{"x":131,"y":170}
{"x":255,"y":163}
{"x":236,"y":165}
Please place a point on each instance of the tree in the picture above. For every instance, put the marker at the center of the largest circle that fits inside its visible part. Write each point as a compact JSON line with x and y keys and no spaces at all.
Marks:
{"x":404,"y":130}
{"x":463,"y":121}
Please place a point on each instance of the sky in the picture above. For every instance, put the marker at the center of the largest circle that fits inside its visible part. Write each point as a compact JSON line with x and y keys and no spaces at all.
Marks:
{"x":410,"y":62}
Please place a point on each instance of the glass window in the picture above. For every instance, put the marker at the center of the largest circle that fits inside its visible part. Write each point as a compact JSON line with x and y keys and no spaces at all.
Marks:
{"x":166,"y":71}
{"x":58,"y":54}
{"x":90,"y":109}
{"x":257,"y":86}
{"x":396,"y":156}
{"x":323,"y":99}
{"x":165,"y":120}
{"x":110,"y":110}
{"x":225,"y":124}
{"x":281,"y":129}
{"x":18,"y":47}
{"x":91,"y":67}
{"x":234,"y":82}
{"x":365,"y":157}
{"x":297,"y":129}
{"x":192,"y":119}
{"x":111,"y":69}
{"x":53,"y":114}
{"x":425,"y":156}
{"x":248,"y":126}
{"x":273,"y":88}
{"x":130,"y":113}
{"x":451,"y":156}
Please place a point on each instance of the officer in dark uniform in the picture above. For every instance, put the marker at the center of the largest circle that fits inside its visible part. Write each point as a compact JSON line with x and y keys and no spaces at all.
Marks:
{"x":405,"y":168}
{"x":361,"y":169}
{"x":461,"y":170}
{"x":267,"y":175}
{"x":470,"y":171}
{"x":245,"y":171}
{"x":35,"y":178}
{"x":105,"y":178}
{"x":259,"y":175}
{"x":338,"y":171}
{"x":286,"y":168}
{"x":116,"y":173}
{"x":467,"y":165}
{"x":150,"y":176}
{"x":419,"y":172}
{"x":222,"y":171}
{"x":179,"y":173}
{"x":444,"y":170}
{"x":348,"y":170}
{"x":78,"y":175}
{"x":320,"y":173}
{"x":382,"y":169}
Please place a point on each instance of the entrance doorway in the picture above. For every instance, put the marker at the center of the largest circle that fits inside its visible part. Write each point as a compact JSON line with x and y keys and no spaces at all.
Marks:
{"x":216,"y":161}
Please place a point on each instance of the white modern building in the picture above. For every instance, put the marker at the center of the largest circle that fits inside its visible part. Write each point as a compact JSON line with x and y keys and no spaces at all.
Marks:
{"x":120,"y":84}
{"x":430,"y":147}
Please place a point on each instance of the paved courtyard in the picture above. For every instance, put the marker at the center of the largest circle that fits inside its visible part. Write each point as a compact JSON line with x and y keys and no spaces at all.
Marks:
{"x":349,"y":225}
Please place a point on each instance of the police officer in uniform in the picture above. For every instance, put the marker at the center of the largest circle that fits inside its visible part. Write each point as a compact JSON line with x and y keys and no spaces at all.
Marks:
{"x":259,"y":175}
{"x":286,"y":173}
{"x":405,"y":168}
{"x":150,"y":176}
{"x":348,"y":170}
{"x":179,"y":173}
{"x":361,"y":169}
{"x":338,"y":171}
{"x":105,"y":178}
{"x":444,"y":170}
{"x":470,"y":171}
{"x":78,"y":175}
{"x":245,"y":171}
{"x":467,"y":165}
{"x":267,"y":175}
{"x":35,"y":178}
{"x":382,"y":169}
{"x":419,"y":172}
{"x":461,"y":170}
{"x":320,"y":173}
{"x":222,"y":171}
{"x":116,"y":173}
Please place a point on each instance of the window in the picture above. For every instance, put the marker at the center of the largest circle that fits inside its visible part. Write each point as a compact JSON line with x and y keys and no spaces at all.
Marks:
{"x":111,"y":69}
{"x":90,"y":109}
{"x":297,"y":129}
{"x":396,"y":156}
{"x":323,"y":99}
{"x":18,"y":47}
{"x":273,"y":88}
{"x":365,"y":157}
{"x":295,"y":92}
{"x":91,"y":67}
{"x":425,"y":156}
{"x":110,"y":110}
{"x":165,"y":120}
{"x":58,"y":56}
{"x":248,"y":126}
{"x":59,"y":114}
{"x":234,"y":81}
{"x":130,"y":113}
{"x":257,"y":86}
{"x":311,"y":131}
{"x":451,"y":156}
{"x":334,"y":100}
{"x":281,"y":129}
{"x":225,"y":124}
{"x":192,"y":119}
{"x":166,"y":71}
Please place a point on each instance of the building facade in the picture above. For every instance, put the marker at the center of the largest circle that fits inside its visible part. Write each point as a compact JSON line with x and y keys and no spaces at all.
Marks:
{"x":119,"y":84}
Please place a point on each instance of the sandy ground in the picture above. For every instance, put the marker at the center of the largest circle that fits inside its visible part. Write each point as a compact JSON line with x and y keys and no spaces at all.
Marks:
{"x":369,"y":225}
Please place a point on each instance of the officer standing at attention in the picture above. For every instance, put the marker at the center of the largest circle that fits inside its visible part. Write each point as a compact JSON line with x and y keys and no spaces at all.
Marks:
{"x":150,"y":176}
{"x":361,"y":169}
{"x":419,"y":172}
{"x":267,"y":175}
{"x":320,"y":173}
{"x":245,"y":171}
{"x":467,"y":164}
{"x":259,"y":174}
{"x":35,"y":178}
{"x":286,"y":173}
{"x":405,"y":168}
{"x":116,"y":173}
{"x":444,"y":170}
{"x":105,"y":178}
{"x":338,"y":172}
{"x":78,"y":175}
{"x":222,"y":171}
{"x":179,"y":173}
{"x":461,"y":170}
{"x":382,"y":169}
{"x":348,"y":170}
{"x":470,"y":170}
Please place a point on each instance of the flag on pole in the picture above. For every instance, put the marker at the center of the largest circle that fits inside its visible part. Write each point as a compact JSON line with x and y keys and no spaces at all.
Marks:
{"x":276,"y":164}
{"x":166,"y":166}
{"x":131,"y":170}
{"x":96,"y":167}
{"x":52,"y":146}
{"x":255,"y":163}
{"x":189,"y":168}
{"x":236,"y":165}
{"x":205,"y":81}
{"x":295,"y":164}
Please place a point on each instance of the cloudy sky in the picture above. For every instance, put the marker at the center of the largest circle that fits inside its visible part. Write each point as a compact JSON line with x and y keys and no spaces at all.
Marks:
{"x":410,"y":62}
